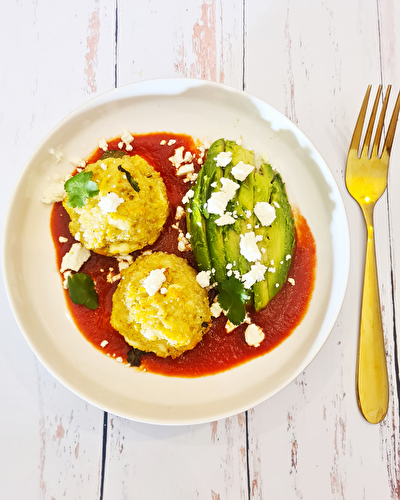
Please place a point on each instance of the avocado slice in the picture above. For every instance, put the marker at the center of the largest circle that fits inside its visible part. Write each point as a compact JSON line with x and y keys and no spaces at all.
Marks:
{"x":196,"y":224}
{"x":262,"y":192}
{"x":279,"y":238}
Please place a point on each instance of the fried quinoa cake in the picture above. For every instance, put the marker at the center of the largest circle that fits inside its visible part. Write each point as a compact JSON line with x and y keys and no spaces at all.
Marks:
{"x":129,"y":211}
{"x":159,"y":306}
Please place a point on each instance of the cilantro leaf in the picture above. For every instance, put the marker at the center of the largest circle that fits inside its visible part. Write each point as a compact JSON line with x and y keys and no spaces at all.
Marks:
{"x":80,"y":188}
{"x":131,"y":180}
{"x":231,"y":297}
{"x":81,"y":290}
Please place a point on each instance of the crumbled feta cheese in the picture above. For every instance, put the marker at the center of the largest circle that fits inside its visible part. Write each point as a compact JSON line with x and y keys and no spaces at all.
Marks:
{"x":248,"y":247}
{"x":57,"y":154}
{"x":127,"y":138}
{"x":180,"y":213}
{"x":216,"y":309}
{"x":62,"y":239}
{"x":163,"y":142}
{"x":103,"y":144}
{"x":124,"y":261}
{"x":103,"y":166}
{"x":241,"y":171}
{"x":203,"y":278}
{"x":248,"y":226}
{"x":171,"y":142}
{"x":177,"y":159}
{"x":247,"y":213}
{"x":224,"y":220}
{"x":110,"y":203}
{"x":65,"y":282}
{"x":104,"y":343}
{"x":78,"y":162}
{"x":265,"y":213}
{"x":224,"y":158}
{"x":163,"y":290}
{"x":183,"y":243}
{"x":154,"y":281}
{"x":188,"y":196}
{"x":54,"y":192}
{"x":276,"y":204}
{"x":288,"y":256}
{"x":188,"y":236}
{"x":218,"y":200}
{"x":119,"y":359}
{"x":291,"y":281}
{"x":255,"y":274}
{"x":185,"y":169}
{"x":75,"y":258}
{"x":229,"y":326}
{"x":254,"y":335}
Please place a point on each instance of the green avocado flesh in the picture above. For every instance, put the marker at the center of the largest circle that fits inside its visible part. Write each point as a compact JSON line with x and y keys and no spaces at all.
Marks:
{"x":217,"y":247}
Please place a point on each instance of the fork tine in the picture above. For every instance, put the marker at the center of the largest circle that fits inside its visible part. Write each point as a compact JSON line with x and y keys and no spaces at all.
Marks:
{"x":355,"y":140}
{"x":371,"y":122}
{"x":379,"y":128}
{"x":392,"y":126}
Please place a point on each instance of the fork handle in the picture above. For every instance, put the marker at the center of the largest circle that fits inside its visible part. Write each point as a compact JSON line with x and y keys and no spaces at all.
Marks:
{"x":372,"y":377}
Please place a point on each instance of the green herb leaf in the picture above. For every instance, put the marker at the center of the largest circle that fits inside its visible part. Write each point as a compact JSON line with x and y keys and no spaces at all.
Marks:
{"x":80,"y":188}
{"x":113,"y":153}
{"x":131,"y":180}
{"x":232,"y":297}
{"x":81,"y":290}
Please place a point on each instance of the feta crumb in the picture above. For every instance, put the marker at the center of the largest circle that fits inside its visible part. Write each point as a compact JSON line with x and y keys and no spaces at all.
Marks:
{"x":110,"y":203}
{"x":154,"y":281}
{"x":288,"y":256}
{"x":62,"y":239}
{"x":242,"y":170}
{"x":214,"y":184}
{"x":254,"y":335}
{"x":203,"y":278}
{"x":103,"y":166}
{"x":248,"y":247}
{"x":57,"y":154}
{"x":185,"y":169}
{"x":188,"y":196}
{"x":171,"y":142}
{"x":247,"y":213}
{"x":291,"y":281}
{"x":119,"y":359}
{"x":78,"y":162}
{"x":183,"y":243}
{"x":248,"y":226}
{"x":104,"y":343}
{"x":127,"y":138}
{"x":163,"y":142}
{"x":180,"y":213}
{"x":54,"y":192}
{"x":224,"y":158}
{"x":229,"y":327}
{"x":177,"y":159}
{"x":218,"y":200}
{"x":276,"y":204}
{"x":216,"y":309}
{"x":255,"y":275}
{"x":163,"y":290}
{"x":224,"y":220}
{"x":65,"y":282}
{"x":265,"y":213}
{"x":75,"y":258}
{"x":124,"y":261}
{"x":103,"y":144}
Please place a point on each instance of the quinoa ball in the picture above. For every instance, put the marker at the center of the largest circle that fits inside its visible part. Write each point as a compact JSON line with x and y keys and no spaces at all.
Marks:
{"x":159,"y":306}
{"x":129,"y":211}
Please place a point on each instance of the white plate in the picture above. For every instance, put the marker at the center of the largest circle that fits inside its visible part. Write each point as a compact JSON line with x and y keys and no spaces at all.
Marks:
{"x":203,"y":110}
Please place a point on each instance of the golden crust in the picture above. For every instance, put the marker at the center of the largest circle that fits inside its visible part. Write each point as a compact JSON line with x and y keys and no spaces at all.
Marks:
{"x":171,"y":321}
{"x":137,"y":220}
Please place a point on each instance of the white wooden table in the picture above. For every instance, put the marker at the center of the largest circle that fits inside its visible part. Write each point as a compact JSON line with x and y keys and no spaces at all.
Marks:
{"x":312,"y":60}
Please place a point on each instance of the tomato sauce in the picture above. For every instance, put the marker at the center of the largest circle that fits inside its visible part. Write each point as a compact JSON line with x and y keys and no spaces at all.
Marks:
{"x":218,"y":350}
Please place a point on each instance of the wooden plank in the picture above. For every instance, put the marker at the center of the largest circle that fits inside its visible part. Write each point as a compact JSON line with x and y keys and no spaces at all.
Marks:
{"x":54,"y":56}
{"x":320,"y":441}
{"x":203,"y":40}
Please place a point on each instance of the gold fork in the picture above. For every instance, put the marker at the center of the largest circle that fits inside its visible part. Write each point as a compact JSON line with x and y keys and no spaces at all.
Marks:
{"x":366,"y":180}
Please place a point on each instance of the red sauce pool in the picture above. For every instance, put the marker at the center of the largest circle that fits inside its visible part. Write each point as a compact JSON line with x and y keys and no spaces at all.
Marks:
{"x":218,"y":350}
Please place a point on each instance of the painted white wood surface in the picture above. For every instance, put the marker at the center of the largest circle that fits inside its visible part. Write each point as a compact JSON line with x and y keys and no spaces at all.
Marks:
{"x":312,"y":61}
